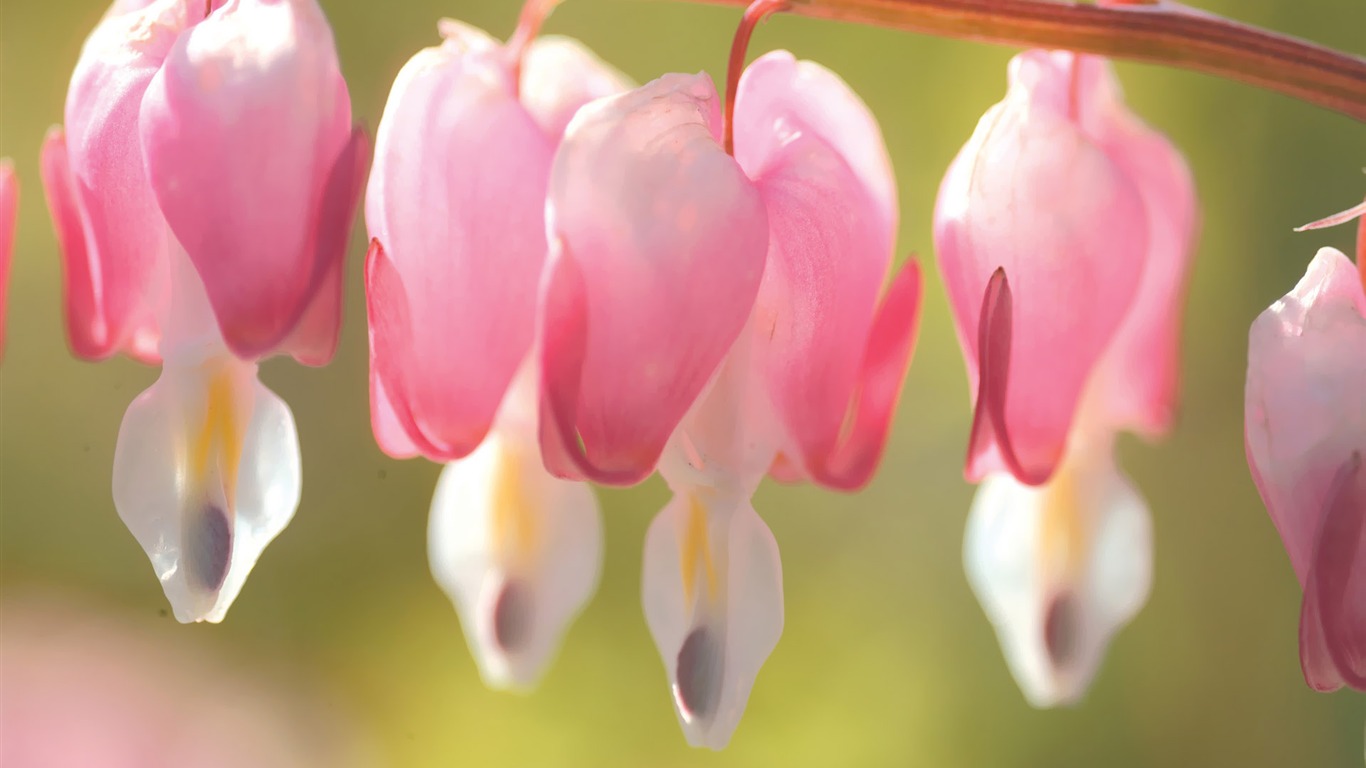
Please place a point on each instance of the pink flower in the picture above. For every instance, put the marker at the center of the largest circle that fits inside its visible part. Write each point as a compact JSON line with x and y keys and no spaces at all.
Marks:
{"x":816,"y":349}
{"x":9,"y":206}
{"x":1306,"y":447}
{"x":228,"y":135}
{"x":203,"y":192}
{"x":1065,"y":230}
{"x":658,"y":241}
{"x":1027,"y":196}
{"x":456,"y":209}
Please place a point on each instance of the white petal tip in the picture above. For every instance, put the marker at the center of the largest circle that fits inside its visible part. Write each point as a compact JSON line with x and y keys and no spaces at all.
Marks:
{"x":713,"y":595}
{"x":519,"y":554}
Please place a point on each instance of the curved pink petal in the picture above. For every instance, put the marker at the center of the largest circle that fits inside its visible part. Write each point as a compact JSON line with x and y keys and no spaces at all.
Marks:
{"x":397,"y":431}
{"x":1141,"y":368}
{"x":113,"y":235}
{"x":658,"y":249}
{"x":457,"y":200}
{"x":780,"y":98}
{"x":820,"y":163}
{"x":1333,"y":620}
{"x":314,"y":340}
{"x":1305,"y":455}
{"x":1312,"y":340}
{"x":988,"y":438}
{"x":241,"y":130}
{"x":559,"y":75}
{"x":9,"y":207}
{"x":1034,"y":194}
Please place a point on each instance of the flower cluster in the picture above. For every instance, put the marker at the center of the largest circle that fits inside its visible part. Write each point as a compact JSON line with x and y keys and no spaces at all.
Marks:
{"x":575,"y":280}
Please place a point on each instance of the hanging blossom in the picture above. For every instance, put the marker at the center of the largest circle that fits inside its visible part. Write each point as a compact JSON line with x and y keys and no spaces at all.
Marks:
{"x":1064,"y":231}
{"x":1306,"y":446}
{"x":456,"y":210}
{"x":9,"y":209}
{"x":203,"y":191}
{"x":669,"y":257}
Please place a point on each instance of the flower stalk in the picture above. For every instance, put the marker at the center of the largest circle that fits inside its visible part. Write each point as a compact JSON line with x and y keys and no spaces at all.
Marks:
{"x":1158,"y":33}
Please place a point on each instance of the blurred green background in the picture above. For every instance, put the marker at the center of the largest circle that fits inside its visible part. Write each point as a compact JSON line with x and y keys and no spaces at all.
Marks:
{"x":887,"y":658}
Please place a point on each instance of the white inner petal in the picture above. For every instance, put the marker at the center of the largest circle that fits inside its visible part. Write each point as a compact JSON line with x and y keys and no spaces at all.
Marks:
{"x":518,"y":551}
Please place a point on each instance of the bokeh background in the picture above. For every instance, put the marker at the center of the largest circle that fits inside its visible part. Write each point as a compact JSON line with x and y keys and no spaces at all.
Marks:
{"x":887,"y":658}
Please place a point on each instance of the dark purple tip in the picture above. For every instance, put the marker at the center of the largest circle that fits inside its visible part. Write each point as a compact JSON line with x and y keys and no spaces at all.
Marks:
{"x":208,"y":547}
{"x":1062,"y":629}
{"x":698,"y":675}
{"x":512,"y":616}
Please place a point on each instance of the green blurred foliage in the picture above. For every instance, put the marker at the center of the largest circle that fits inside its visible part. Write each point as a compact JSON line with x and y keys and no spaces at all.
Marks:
{"x":886,"y":658}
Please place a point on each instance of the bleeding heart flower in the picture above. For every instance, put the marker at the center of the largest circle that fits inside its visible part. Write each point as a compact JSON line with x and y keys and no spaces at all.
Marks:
{"x":1075,"y":337}
{"x":456,"y":205}
{"x":9,"y":208}
{"x":657,"y":245}
{"x":815,"y":352}
{"x":456,"y":209}
{"x":203,"y":192}
{"x":1306,"y":446}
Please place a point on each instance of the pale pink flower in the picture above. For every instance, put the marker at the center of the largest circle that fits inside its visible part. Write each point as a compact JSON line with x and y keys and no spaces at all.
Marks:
{"x":1306,"y":446}
{"x":1064,"y":230}
{"x":456,"y":209}
{"x":810,"y":194}
{"x":203,"y":190}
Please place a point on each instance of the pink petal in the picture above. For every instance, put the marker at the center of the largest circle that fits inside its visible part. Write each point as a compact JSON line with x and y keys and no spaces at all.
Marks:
{"x":1034,"y":194}
{"x":1333,"y":622}
{"x":820,"y":163}
{"x":314,"y":340}
{"x":396,"y":430}
{"x":242,"y":129}
{"x":113,"y":235}
{"x":988,"y":437}
{"x":657,"y":253}
{"x":457,"y":200}
{"x":1305,"y":436}
{"x":1311,"y":341}
{"x":781,"y":98}
{"x":9,"y":205}
{"x":1141,"y":368}
{"x":559,"y":75}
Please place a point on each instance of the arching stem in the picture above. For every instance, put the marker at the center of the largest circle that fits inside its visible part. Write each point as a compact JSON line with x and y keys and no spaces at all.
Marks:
{"x":1159,"y":33}
{"x":534,"y":13}
{"x":757,"y":11}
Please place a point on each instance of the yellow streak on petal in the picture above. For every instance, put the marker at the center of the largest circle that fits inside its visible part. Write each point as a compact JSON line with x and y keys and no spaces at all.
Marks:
{"x":218,"y":438}
{"x":1062,"y":540}
{"x":514,"y":517}
{"x":695,"y":551}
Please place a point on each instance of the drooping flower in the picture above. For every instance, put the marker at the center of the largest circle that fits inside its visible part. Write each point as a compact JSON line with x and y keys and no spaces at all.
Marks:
{"x":770,"y":264}
{"x":456,"y":210}
{"x":1305,"y":435}
{"x":1064,"y":231}
{"x":9,"y":208}
{"x":203,"y":191}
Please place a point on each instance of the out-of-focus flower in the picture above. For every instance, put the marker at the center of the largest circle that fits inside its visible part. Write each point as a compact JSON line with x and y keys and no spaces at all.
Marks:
{"x":203,"y":190}
{"x":456,"y":209}
{"x":9,"y":208}
{"x":1065,"y":229}
{"x":1305,"y":434}
{"x":815,"y":352}
{"x":82,"y":689}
